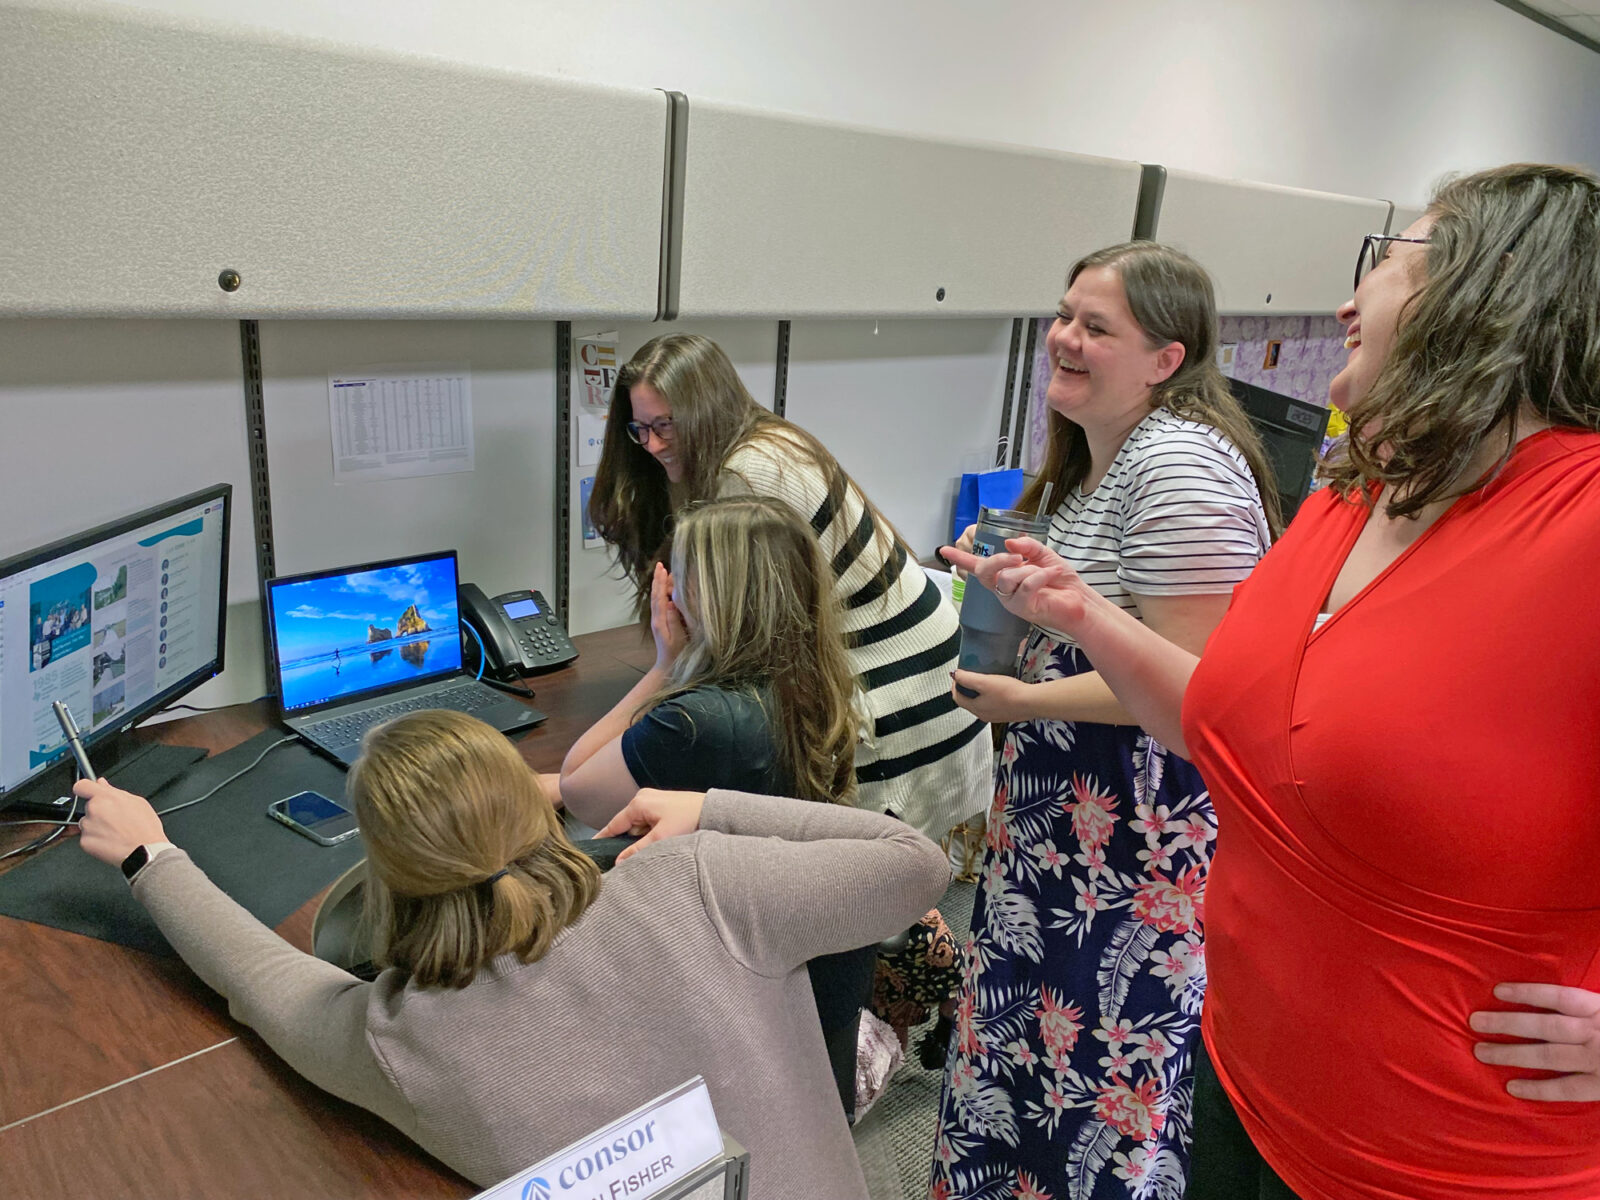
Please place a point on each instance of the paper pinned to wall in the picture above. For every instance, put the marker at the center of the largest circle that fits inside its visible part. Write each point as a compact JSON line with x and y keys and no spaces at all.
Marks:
{"x":591,"y":438}
{"x":594,"y":374}
{"x":594,"y":371}
{"x":591,"y":536}
{"x":389,"y":423}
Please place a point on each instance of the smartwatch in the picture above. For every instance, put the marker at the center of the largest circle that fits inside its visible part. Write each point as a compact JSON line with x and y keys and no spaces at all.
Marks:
{"x":135,"y":862}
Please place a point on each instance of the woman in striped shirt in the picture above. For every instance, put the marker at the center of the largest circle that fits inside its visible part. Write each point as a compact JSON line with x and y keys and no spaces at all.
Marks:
{"x":683,"y":427}
{"x":1070,"y":1074}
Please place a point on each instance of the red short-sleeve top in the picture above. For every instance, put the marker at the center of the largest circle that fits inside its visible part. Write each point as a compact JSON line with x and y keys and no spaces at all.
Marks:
{"x":1408,"y":802}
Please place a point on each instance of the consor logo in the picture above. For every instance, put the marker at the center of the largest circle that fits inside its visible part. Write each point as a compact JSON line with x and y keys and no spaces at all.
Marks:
{"x":536,"y":1189}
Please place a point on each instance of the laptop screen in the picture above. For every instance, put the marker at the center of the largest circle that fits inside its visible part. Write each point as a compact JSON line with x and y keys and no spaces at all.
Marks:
{"x":360,"y":631}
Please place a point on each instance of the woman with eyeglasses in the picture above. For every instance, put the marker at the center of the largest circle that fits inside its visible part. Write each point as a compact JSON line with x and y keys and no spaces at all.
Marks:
{"x":682,"y":428}
{"x":1398,"y":720}
{"x":526,"y":1002}
{"x":1069,"y":1074}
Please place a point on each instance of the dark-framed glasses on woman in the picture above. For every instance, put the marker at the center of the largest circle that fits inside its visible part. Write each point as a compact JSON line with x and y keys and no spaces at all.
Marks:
{"x":1375,"y":248}
{"x":639,"y":431}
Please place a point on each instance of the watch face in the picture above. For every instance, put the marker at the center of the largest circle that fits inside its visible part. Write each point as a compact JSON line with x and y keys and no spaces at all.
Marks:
{"x":134,"y":862}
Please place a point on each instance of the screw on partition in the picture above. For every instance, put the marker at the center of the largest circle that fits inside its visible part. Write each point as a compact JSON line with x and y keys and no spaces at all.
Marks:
{"x":939,"y":295}
{"x":1269,"y":297}
{"x":229,"y":280}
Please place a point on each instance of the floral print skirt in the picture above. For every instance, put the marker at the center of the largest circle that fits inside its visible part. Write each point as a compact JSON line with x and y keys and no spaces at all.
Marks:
{"x":1069,"y":1073}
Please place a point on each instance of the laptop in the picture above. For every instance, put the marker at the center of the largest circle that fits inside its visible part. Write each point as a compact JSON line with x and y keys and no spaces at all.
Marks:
{"x":358,"y":645}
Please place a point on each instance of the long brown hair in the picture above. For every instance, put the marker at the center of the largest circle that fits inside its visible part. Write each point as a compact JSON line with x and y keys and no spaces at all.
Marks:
{"x":1509,"y":315}
{"x":1171,"y":298}
{"x":760,"y":593}
{"x":713,"y":414}
{"x":444,"y":803}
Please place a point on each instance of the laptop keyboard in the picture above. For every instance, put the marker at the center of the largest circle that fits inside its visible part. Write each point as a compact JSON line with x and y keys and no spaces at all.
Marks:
{"x":340,"y":731}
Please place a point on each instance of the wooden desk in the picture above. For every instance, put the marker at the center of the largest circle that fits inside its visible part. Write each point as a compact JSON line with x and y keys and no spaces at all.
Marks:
{"x":121,"y":1074}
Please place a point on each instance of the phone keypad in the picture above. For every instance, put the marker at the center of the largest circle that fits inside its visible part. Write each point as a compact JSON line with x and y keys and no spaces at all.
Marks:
{"x":541,"y":638}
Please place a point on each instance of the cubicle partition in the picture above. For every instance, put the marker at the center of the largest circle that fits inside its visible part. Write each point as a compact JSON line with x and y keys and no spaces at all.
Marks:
{"x":1269,"y":249}
{"x":173,"y":170}
{"x":792,"y":218}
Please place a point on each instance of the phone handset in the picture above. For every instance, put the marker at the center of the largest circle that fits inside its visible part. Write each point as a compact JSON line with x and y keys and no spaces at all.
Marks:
{"x":520,"y":633}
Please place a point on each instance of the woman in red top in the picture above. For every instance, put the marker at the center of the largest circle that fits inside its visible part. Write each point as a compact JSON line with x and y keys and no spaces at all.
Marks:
{"x":1399,"y":721}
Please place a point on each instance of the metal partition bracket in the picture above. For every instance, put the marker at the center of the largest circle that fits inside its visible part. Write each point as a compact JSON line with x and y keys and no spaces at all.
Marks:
{"x":675,"y":159}
{"x":1011,"y":388}
{"x":1147,"y":212}
{"x":564,"y":470}
{"x":1024,"y":392}
{"x":255,"y":425}
{"x":780,"y":385}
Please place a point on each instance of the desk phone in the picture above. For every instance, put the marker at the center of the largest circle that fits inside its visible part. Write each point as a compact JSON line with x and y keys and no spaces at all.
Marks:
{"x":522,"y":635}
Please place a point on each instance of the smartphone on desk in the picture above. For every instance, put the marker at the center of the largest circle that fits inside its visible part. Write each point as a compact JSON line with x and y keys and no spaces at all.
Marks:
{"x":313,"y":815}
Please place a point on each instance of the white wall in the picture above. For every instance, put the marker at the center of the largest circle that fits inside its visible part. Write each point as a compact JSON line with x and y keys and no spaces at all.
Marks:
{"x":1364,"y":97}
{"x":497,"y":516}
{"x":905,"y":406}
{"x":99,"y":419}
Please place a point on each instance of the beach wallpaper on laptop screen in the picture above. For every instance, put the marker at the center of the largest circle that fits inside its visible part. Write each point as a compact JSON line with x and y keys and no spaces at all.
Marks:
{"x":343,"y":634}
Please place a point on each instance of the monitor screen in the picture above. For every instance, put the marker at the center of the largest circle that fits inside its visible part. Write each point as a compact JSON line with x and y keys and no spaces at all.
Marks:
{"x":116,"y":623}
{"x":357,"y":631}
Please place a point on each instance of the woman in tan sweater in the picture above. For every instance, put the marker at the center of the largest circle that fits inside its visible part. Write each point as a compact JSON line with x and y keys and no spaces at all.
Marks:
{"x":525,"y":1003}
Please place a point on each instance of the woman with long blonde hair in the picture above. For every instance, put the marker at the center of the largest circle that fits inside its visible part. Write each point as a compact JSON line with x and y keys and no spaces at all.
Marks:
{"x":750,"y":688}
{"x":524,"y":1003}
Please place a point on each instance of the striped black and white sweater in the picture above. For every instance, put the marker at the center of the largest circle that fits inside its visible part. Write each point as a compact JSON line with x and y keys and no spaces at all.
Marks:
{"x":923,"y":759}
{"x":1177,"y":514}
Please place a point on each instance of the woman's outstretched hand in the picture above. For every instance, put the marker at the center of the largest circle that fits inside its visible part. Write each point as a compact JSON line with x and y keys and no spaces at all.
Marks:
{"x":655,"y":814}
{"x":1565,"y":1038}
{"x":1032,"y":581}
{"x":666,"y":622}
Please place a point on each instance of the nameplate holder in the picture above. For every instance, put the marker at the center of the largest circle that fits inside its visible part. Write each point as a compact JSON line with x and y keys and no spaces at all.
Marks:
{"x":634,"y":1158}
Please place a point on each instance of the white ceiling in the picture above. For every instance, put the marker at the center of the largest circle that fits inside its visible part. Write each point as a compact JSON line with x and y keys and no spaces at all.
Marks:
{"x":1580,"y":16}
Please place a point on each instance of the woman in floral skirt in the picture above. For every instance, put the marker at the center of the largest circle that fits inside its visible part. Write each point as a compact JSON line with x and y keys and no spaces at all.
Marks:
{"x":1069,"y":1075}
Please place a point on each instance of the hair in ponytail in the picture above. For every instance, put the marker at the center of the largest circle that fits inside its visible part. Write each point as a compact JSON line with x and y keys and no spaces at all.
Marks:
{"x":445,"y":804}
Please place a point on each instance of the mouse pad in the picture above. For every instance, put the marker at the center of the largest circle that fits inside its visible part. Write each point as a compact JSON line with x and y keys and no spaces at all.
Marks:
{"x":267,"y":867}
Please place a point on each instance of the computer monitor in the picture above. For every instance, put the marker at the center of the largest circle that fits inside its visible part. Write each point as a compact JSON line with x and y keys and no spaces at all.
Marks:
{"x":116,"y":622}
{"x":1292,"y":432}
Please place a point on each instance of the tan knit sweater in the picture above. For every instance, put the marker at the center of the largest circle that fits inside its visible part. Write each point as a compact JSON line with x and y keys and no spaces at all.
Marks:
{"x":690,"y":962}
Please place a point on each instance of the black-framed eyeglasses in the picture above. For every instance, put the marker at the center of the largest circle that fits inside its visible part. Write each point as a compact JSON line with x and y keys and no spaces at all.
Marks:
{"x":661,"y":427}
{"x":1375,"y":248}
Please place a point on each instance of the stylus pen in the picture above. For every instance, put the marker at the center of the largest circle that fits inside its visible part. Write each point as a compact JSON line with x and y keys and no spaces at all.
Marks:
{"x":70,"y":728}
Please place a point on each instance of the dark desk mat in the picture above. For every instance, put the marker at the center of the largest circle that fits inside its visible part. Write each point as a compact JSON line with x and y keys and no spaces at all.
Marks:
{"x":265,"y":866}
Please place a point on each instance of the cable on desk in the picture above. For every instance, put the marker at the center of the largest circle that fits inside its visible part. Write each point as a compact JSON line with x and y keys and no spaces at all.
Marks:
{"x":483,"y":661}
{"x":39,"y":843}
{"x":200,"y":708}
{"x":229,"y":779}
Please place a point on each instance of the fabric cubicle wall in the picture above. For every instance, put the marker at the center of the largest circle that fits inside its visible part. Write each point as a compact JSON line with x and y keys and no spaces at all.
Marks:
{"x":1269,"y":249}
{"x":151,"y":156}
{"x":845,"y":221}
